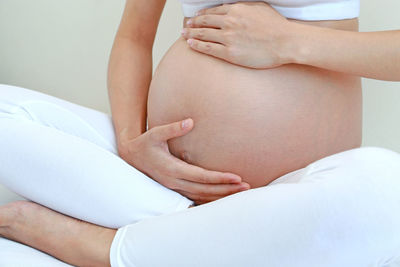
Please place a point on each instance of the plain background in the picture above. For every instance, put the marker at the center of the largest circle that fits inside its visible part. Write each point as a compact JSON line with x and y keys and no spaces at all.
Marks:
{"x":62,"y":48}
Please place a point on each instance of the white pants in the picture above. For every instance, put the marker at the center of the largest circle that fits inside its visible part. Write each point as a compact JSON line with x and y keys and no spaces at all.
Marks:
{"x":340,"y":211}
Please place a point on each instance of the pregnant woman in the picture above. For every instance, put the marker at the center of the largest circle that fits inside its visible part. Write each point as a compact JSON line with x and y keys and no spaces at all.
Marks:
{"x":260,"y":95}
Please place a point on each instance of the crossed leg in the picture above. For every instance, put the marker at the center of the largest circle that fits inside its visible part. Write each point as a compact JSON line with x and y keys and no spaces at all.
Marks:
{"x":64,"y":157}
{"x":338,"y":211}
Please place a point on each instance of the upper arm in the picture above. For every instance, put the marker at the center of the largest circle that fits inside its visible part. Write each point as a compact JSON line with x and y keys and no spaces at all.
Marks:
{"x":140,"y":20}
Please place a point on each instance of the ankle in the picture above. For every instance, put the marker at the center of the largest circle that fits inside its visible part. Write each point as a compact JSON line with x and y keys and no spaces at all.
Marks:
{"x":6,"y":214}
{"x":7,"y":217}
{"x":12,"y":213}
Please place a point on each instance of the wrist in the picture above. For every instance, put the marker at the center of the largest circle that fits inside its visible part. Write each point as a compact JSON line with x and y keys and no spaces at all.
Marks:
{"x":296,"y":48}
{"x":124,"y":136}
{"x":285,"y":44}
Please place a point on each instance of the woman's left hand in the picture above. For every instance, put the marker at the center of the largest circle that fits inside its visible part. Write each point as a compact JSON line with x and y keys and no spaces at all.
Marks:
{"x":247,"y":34}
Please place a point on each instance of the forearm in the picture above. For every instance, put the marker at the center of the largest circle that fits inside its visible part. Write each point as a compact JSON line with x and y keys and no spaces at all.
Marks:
{"x":129,"y":77}
{"x":368,"y":54}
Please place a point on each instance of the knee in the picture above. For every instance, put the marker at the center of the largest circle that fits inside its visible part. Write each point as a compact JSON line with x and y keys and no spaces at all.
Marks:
{"x":16,"y":102}
{"x":366,"y":169}
{"x":364,"y":159}
{"x":9,"y":96}
{"x":375,"y":162}
{"x":14,"y":94}
{"x":7,"y":91}
{"x":375,"y":155}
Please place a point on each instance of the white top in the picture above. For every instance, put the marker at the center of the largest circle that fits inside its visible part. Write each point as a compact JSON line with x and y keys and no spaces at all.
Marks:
{"x":293,"y":9}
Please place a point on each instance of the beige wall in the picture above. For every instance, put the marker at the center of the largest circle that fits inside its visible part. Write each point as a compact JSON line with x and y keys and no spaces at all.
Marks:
{"x":381,"y":99}
{"x":61,"y":48}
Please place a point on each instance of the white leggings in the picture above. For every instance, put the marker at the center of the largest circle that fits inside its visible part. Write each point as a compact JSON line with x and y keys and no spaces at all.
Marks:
{"x":343,"y":210}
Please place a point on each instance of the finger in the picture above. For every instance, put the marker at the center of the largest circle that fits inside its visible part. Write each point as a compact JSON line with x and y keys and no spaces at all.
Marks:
{"x":171,"y":130}
{"x":206,"y":21}
{"x":218,"y":10}
{"x":210,"y":189}
{"x":199,"y":175}
{"x":204,"y":34}
{"x":198,"y":199}
{"x":209,"y":48}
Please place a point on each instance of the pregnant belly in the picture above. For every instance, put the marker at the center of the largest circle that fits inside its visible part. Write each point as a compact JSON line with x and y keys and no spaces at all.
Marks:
{"x":259,"y":124}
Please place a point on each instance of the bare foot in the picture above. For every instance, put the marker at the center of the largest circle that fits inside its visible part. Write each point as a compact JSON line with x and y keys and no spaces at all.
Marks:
{"x":68,"y":239}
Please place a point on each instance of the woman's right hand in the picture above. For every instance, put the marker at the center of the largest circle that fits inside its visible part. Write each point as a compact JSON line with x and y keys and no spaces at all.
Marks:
{"x":150,"y":154}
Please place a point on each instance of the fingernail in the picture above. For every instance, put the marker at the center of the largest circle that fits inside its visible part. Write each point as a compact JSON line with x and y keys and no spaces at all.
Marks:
{"x":185,"y":123}
{"x":189,"y":22}
{"x":190,"y":41}
{"x":183,"y":31}
{"x":197,"y":13}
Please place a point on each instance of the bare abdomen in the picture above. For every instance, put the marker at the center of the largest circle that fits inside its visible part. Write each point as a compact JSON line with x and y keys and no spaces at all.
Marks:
{"x":259,"y":124}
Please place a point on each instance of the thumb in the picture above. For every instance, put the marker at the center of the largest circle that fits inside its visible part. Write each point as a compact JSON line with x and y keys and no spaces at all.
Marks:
{"x":171,"y":130}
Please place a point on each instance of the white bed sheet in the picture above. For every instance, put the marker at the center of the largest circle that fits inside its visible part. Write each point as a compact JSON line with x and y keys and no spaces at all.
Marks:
{"x":13,"y":254}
